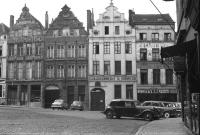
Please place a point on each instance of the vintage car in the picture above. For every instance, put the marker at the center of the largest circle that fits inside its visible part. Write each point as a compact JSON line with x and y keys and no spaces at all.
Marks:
{"x":165,"y":111}
{"x":77,"y":105}
{"x":174,"y":105}
{"x":130,"y":108}
{"x":59,"y":104}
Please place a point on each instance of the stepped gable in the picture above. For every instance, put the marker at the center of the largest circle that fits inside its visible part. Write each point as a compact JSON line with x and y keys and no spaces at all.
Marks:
{"x":27,"y":20}
{"x":66,"y":18}
{"x":3,"y":29}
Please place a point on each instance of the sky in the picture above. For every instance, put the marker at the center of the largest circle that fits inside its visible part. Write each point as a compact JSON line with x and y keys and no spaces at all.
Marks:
{"x":38,"y":8}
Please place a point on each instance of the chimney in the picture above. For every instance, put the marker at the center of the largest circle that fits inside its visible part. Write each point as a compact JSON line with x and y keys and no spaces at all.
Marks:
{"x":131,"y":13}
{"x":89,"y":20}
{"x":11,"y":21}
{"x":46,"y":21}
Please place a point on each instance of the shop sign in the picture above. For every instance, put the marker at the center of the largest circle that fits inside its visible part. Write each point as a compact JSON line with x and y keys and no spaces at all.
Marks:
{"x":155,"y":90}
{"x":131,"y":78}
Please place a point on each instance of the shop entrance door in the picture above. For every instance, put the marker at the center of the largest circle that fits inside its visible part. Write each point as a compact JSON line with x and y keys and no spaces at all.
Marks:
{"x":97,"y":100}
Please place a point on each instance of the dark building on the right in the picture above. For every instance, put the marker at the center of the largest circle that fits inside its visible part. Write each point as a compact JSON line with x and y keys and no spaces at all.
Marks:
{"x":186,"y":55}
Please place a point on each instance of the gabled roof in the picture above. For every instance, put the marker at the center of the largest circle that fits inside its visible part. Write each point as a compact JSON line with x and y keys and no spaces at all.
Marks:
{"x":150,"y":19}
{"x":3,"y":29}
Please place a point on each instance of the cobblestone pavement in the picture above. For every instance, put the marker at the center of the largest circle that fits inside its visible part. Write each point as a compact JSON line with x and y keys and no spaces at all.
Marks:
{"x":26,"y":121}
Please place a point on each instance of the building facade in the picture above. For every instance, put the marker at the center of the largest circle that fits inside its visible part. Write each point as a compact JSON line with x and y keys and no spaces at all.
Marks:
{"x":25,"y":60}
{"x":4,"y":30}
{"x":155,"y":80}
{"x":66,"y":60}
{"x":112,"y":63}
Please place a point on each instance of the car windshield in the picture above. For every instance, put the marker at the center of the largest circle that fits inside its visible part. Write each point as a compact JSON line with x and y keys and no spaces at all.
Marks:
{"x":58,"y":100}
{"x":76,"y":103}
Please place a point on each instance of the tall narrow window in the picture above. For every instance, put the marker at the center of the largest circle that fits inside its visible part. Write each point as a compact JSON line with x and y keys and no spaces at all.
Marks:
{"x":11,"y":50}
{"x":143,"y":36}
{"x":95,"y":47}
{"x":117,"y":92}
{"x":106,"y":67}
{"x":128,"y":47}
{"x":38,"y":70}
{"x":169,"y":76}
{"x":144,"y":76}
{"x":156,"y":76}
{"x":50,"y":71}
{"x":82,"y":71}
{"x":106,"y":28}
{"x":117,"y":47}
{"x":155,"y":54}
{"x":155,"y":36}
{"x":38,"y":49}
{"x":129,"y":91}
{"x":81,"y":92}
{"x":143,"y":54}
{"x":167,"y":36}
{"x":71,"y":51}
{"x":81,"y":51}
{"x":28,"y":49}
{"x":60,"y":51}
{"x":95,"y":67}
{"x":20,"y":70}
{"x":0,"y":70}
{"x":60,"y":71}
{"x":117,"y":31}
{"x":117,"y":67}
{"x":0,"y":50}
{"x":50,"y":52}
{"x":29,"y":70}
{"x":129,"y":67}
{"x":11,"y":69}
{"x":106,"y":48}
{"x":71,"y":71}
{"x":20,"y":50}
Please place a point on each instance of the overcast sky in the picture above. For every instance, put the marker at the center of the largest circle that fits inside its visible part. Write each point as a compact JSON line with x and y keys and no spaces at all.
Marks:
{"x":38,"y":8}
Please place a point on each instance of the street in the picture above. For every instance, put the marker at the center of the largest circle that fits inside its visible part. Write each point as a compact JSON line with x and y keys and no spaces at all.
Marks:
{"x":20,"y":120}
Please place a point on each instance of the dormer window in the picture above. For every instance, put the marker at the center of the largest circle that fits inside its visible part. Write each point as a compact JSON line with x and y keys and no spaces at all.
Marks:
{"x":55,"y":33}
{"x":66,"y":32}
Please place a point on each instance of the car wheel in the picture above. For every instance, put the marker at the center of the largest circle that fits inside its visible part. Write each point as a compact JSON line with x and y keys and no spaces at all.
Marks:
{"x":118,"y":116}
{"x":148,"y":116}
{"x":109,"y":114}
{"x":166,"y":115}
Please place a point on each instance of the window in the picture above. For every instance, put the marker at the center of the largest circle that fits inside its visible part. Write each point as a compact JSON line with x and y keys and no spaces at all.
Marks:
{"x":1,"y":91}
{"x":117,"y":31}
{"x":117,"y":47}
{"x":129,"y":91}
{"x":106,"y":48}
{"x":11,"y":69}
{"x":95,"y":47}
{"x":169,"y":76}
{"x":143,"y":54}
{"x":155,"y":36}
{"x":106,"y":67}
{"x":117,"y":67}
{"x":128,"y":47}
{"x":50,"y":71}
{"x":0,"y":70}
{"x":81,"y":51}
{"x":71,"y":51}
{"x":38,"y":49}
{"x":20,"y":70}
{"x":60,"y":71}
{"x":11,"y":50}
{"x":28,"y":49}
{"x":50,"y":52}
{"x":155,"y":54}
{"x":95,"y":67}
{"x":143,"y":36}
{"x":60,"y":51}
{"x":106,"y":28}
{"x":71,"y":71}
{"x":0,"y":50}
{"x":129,"y":67}
{"x":20,"y":50}
{"x":82,"y":71}
{"x":117,"y":93}
{"x":81,"y":92}
{"x":144,"y":76}
{"x":29,"y":70}
{"x":156,"y":76}
{"x":167,"y":36}
{"x":38,"y":70}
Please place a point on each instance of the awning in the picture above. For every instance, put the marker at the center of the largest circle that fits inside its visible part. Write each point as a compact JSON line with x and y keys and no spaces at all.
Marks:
{"x":179,"y":49}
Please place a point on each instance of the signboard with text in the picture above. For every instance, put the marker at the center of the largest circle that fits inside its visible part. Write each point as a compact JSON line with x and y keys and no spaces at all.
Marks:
{"x":121,"y":78}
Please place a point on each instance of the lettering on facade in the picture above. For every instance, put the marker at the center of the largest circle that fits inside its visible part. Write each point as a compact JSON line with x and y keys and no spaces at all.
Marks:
{"x":131,"y":78}
{"x":156,"y":90}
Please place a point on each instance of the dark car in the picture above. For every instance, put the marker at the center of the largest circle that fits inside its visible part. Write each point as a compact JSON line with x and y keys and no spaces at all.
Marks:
{"x":129,"y":108}
{"x":77,"y":105}
{"x":165,"y":111}
{"x":59,"y":104}
{"x":174,"y":105}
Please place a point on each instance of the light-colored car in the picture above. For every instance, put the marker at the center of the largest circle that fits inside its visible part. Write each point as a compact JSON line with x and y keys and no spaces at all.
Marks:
{"x":59,"y":104}
{"x":77,"y":105}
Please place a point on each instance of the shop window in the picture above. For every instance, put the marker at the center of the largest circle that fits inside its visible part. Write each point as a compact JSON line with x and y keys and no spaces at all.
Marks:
{"x":128,"y":47}
{"x":117,"y":67}
{"x":155,"y":54}
{"x":106,"y":48}
{"x":95,"y":47}
{"x":143,"y":36}
{"x":117,"y":30}
{"x":156,"y":76}
{"x":81,"y":92}
{"x":143,"y":54}
{"x":70,"y":94}
{"x":117,"y":92}
{"x":129,"y":67}
{"x":117,"y":48}
{"x":106,"y":28}
{"x":144,"y":76}
{"x":129,"y":91}
{"x":96,"y":68}
{"x":169,"y":76}
{"x":106,"y":67}
{"x":35,"y":93}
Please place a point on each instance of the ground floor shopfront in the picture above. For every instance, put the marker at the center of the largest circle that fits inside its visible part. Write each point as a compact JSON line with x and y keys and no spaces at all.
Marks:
{"x":157,"y":93}
{"x":103,"y":89}
{"x":2,"y":92}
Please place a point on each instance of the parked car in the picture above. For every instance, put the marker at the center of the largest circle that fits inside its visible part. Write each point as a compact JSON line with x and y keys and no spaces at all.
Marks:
{"x":174,"y":105}
{"x":59,"y":104}
{"x":165,"y":111}
{"x":77,"y":105}
{"x":129,"y":108}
